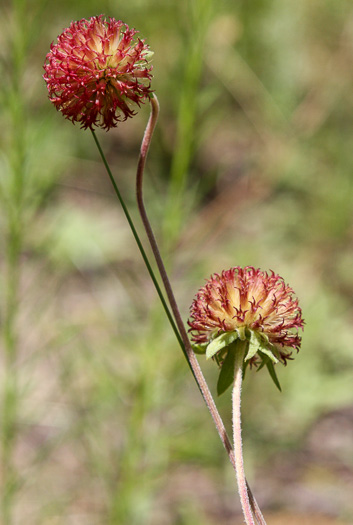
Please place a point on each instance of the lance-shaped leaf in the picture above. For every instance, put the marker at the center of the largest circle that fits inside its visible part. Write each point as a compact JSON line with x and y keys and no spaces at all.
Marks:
{"x":273,"y":374}
{"x":271,"y":369}
{"x":258,"y":343}
{"x":220,"y":342}
{"x":226,"y":376}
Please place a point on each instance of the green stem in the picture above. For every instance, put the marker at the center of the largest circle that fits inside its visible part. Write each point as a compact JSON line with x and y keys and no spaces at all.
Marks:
{"x":177,"y":325}
{"x":138,"y":241}
{"x":189,"y":354}
{"x":183,"y":340}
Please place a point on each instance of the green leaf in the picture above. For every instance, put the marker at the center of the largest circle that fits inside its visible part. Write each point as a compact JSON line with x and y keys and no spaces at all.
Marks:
{"x":259,"y":343}
{"x":245,"y":367}
{"x":255,"y":344}
{"x":269,"y":354}
{"x":226,"y":376}
{"x":272,"y":372}
{"x":241,"y":333}
{"x":262,"y":364}
{"x":220,"y":342}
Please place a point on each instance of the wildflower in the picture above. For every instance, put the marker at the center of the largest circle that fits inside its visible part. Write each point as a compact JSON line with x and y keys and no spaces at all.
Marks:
{"x":96,"y":71}
{"x":247,"y":304}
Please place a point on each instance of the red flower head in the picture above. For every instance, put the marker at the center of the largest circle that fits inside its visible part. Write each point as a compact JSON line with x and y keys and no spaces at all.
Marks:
{"x":247,"y":304}
{"x":96,"y":70}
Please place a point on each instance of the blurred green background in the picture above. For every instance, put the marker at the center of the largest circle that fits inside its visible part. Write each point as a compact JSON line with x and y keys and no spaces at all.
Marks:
{"x":251,"y":164}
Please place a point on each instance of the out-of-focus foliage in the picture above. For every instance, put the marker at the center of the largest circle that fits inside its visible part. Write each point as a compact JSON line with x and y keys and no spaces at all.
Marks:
{"x":250,"y":165}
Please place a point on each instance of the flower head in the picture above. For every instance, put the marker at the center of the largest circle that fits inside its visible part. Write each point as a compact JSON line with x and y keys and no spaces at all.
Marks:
{"x":96,"y":71}
{"x":247,"y":304}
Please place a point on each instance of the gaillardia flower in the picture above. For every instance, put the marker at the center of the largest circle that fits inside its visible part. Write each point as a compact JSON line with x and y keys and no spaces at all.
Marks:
{"x":246,"y":304}
{"x":96,"y":71}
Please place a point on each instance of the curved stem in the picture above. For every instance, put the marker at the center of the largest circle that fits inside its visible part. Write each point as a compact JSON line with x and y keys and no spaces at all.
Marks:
{"x":187,"y":349}
{"x":178,"y":328}
{"x":238,"y":452}
{"x":201,"y":382}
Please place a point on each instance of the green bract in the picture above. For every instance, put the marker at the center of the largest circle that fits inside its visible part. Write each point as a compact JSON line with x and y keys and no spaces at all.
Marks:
{"x":259,"y":343}
{"x":220,"y":342}
{"x":224,"y":346}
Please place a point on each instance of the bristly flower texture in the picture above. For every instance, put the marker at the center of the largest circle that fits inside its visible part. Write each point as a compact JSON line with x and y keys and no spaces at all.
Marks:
{"x":96,"y":71}
{"x":248,"y":300}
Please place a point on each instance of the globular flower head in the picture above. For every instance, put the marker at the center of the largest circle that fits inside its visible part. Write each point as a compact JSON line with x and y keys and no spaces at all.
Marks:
{"x":250,"y":305}
{"x":96,"y":71}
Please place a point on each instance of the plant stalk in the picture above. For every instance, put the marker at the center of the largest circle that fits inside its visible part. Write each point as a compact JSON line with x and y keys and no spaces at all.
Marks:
{"x":137,"y":238}
{"x":177,"y":324}
{"x":238,"y":451}
{"x":174,"y":307}
{"x":190,"y":354}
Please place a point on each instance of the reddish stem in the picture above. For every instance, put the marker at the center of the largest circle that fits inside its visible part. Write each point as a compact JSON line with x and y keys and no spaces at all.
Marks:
{"x":189,"y":353}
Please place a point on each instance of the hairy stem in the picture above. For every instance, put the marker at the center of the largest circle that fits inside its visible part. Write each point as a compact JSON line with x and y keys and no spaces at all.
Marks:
{"x":238,"y":451}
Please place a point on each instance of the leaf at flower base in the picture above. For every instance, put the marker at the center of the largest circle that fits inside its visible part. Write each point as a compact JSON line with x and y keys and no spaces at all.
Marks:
{"x":255,"y":345}
{"x":272,"y":372}
{"x":241,"y":333}
{"x":269,"y":354}
{"x":199,"y":348}
{"x":258,"y":343}
{"x":226,"y":376}
{"x":220,"y":342}
{"x":262,"y":364}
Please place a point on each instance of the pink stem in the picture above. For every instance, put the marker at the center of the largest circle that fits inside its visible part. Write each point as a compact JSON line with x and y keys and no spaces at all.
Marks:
{"x":194,"y":364}
{"x":189,"y":351}
{"x":238,"y":451}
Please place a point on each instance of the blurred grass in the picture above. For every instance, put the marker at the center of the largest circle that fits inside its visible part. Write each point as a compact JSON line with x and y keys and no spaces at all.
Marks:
{"x":251,"y":164}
